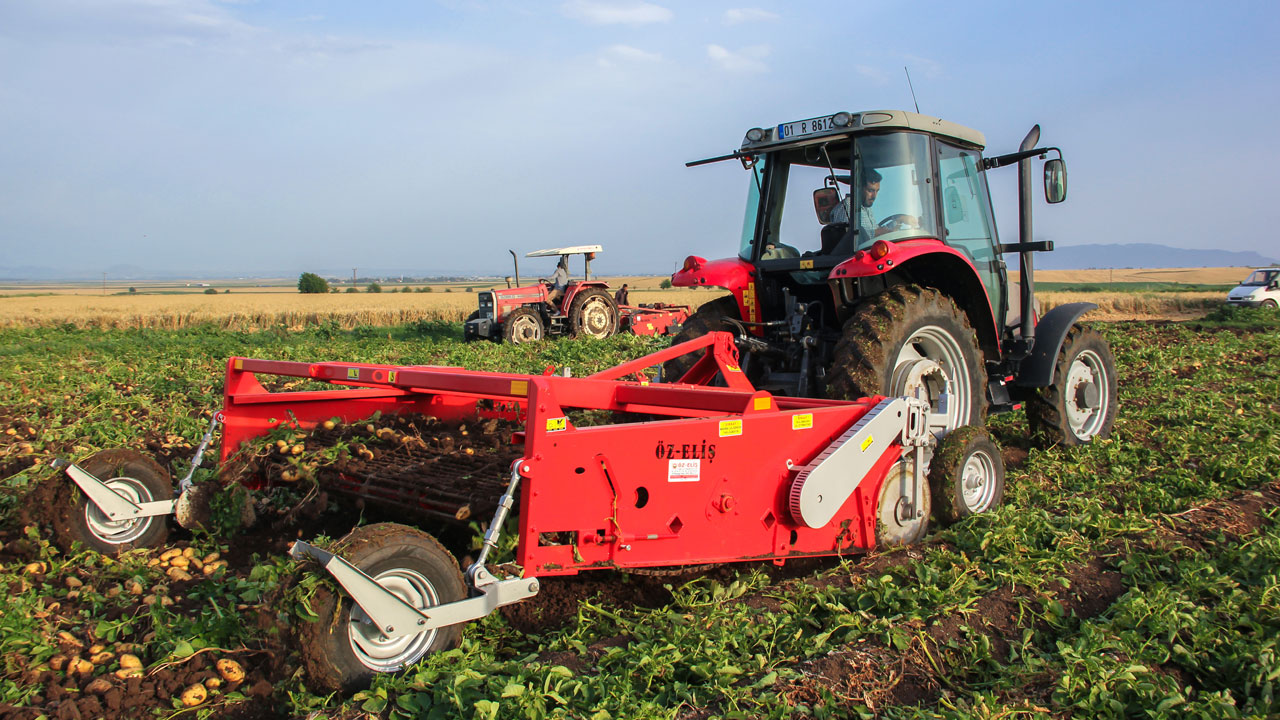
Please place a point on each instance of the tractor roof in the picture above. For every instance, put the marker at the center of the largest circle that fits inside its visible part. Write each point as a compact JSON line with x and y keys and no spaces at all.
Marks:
{"x":575,"y":250}
{"x":819,"y":129}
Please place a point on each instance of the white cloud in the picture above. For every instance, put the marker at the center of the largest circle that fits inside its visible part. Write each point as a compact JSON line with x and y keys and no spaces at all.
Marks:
{"x":748,"y":59}
{"x":874,"y":74}
{"x":616,"y":54}
{"x":923,"y":67}
{"x":737,"y":16}
{"x":597,"y":12}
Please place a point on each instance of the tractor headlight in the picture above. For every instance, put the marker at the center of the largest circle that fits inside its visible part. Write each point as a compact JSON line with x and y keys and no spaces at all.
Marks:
{"x":841,"y":119}
{"x":755,"y":135}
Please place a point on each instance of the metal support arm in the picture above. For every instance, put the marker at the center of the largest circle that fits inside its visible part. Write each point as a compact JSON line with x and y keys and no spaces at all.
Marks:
{"x":112,"y":504}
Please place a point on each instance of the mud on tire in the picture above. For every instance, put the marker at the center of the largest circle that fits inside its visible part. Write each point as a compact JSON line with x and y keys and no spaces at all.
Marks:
{"x":966,"y":475}
{"x":341,"y":652}
{"x":593,"y":314}
{"x":888,"y":336}
{"x":1064,"y":413}
{"x":137,"y":477}
{"x":709,"y":317}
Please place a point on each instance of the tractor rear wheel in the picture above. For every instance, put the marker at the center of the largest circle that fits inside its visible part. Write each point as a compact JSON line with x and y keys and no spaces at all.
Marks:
{"x":1080,"y":405}
{"x":911,"y":339}
{"x":966,"y":475}
{"x":709,"y":317}
{"x":523,"y":325}
{"x":129,"y":473}
{"x":593,"y":314}
{"x":342,"y":651}
{"x":899,"y":521}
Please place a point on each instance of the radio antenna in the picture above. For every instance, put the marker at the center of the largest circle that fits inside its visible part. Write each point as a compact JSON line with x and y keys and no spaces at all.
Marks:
{"x":913,"y":89}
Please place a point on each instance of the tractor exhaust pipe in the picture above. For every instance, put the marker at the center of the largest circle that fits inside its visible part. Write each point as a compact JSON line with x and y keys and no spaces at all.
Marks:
{"x":516,"y":260}
{"x":1026,"y":264}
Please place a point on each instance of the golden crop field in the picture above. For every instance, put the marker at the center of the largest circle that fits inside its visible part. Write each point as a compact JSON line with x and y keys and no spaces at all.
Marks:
{"x":249,"y":306}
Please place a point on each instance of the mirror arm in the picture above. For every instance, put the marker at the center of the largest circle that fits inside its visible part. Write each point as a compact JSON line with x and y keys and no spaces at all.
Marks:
{"x":1012,"y":158}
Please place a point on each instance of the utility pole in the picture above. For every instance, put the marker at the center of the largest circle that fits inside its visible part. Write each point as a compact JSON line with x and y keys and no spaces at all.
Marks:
{"x":353,"y":277}
{"x":104,"y":283}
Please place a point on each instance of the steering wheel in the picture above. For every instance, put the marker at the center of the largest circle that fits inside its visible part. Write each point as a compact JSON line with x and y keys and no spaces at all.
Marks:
{"x":894,"y":221}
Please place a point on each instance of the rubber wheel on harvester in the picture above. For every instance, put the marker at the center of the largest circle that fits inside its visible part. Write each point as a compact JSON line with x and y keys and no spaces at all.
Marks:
{"x":966,"y":475}
{"x":593,"y":314}
{"x":1081,"y":403}
{"x":910,"y":338}
{"x":341,"y":650}
{"x":133,"y":475}
{"x":897,"y":523}
{"x":523,"y":325}
{"x":709,"y":317}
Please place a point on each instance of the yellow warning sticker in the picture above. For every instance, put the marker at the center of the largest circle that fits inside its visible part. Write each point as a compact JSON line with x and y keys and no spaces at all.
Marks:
{"x":763,"y":403}
{"x":557,"y":424}
{"x":867,"y":443}
{"x":802,"y":422}
{"x":730,"y":428}
{"x":806,"y":264}
{"x":391,"y":376}
{"x":353,"y":373}
{"x":733,"y":368}
{"x":519,"y":387}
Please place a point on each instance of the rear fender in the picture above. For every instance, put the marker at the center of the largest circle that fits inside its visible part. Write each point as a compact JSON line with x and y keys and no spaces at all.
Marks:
{"x":732,"y":274}
{"x":1038,"y":369}
{"x":932,"y":263}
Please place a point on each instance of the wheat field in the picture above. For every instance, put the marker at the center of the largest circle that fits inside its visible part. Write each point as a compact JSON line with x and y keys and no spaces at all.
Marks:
{"x":252,"y":307}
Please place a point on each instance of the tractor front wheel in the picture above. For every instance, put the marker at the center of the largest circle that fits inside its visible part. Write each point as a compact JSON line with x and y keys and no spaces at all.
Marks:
{"x":593,"y":314}
{"x":342,"y":650}
{"x":523,"y":325}
{"x":966,"y":475}
{"x":911,"y":340}
{"x":131,"y":474}
{"x":709,"y":317}
{"x":1080,"y":405}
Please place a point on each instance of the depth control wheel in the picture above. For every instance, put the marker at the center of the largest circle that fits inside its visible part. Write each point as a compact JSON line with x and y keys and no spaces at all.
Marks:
{"x":1080,"y":405}
{"x":131,"y":474}
{"x":343,"y":650}
{"x":900,"y":518}
{"x":966,"y":475}
{"x":593,"y":314}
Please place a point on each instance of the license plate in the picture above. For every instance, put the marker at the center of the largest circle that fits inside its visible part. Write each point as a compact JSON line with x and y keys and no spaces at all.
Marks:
{"x":800,"y":128}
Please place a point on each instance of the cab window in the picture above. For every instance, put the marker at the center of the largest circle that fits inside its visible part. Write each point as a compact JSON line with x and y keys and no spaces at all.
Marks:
{"x":966,"y":211}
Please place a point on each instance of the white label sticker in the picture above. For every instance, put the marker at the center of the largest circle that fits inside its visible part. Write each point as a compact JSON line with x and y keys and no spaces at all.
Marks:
{"x":684,"y":470}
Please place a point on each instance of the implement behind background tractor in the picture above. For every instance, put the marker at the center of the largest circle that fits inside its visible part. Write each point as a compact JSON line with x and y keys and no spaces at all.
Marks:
{"x":712,"y":474}
{"x":585,"y":309}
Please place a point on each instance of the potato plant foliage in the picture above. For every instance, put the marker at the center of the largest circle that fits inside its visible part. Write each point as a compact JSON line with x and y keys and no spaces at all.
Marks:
{"x":1135,"y":577}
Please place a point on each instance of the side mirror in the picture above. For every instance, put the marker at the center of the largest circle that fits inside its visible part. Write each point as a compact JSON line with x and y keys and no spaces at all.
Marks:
{"x":824,"y":201}
{"x":1055,"y":181}
{"x":955,"y":208}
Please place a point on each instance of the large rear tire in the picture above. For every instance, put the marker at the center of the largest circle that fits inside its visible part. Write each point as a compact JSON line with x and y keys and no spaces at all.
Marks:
{"x":130,"y":473}
{"x":342,"y":651}
{"x":1080,"y":405}
{"x":523,"y":325}
{"x":907,"y":339}
{"x":593,"y":314}
{"x":709,"y":317}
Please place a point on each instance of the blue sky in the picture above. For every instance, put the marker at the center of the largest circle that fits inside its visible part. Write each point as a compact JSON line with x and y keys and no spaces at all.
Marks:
{"x":241,"y":137}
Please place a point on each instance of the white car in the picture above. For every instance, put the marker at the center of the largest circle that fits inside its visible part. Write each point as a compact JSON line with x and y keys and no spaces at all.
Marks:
{"x":1261,"y":289}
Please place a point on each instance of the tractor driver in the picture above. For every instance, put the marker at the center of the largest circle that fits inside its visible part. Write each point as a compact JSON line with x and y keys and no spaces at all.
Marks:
{"x":558,"y":280}
{"x":867,"y":193}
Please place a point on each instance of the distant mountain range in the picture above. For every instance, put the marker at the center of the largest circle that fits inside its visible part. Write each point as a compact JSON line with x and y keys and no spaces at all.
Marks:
{"x":1142,"y":255}
{"x":1065,"y":257}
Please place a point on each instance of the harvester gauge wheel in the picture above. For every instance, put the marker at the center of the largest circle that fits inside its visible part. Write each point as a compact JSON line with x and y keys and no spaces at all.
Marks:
{"x":966,"y":475}
{"x":913,"y":341}
{"x":133,"y":475}
{"x":1081,"y":403}
{"x":593,"y":314}
{"x":900,"y":519}
{"x":343,"y":650}
{"x":523,"y":325}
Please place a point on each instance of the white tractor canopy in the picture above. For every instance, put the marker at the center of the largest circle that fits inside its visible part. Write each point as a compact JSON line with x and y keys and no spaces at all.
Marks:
{"x":575,"y":250}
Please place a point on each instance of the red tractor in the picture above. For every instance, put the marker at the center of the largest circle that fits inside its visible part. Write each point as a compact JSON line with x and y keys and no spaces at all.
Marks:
{"x":898,"y":287}
{"x":578,"y":308}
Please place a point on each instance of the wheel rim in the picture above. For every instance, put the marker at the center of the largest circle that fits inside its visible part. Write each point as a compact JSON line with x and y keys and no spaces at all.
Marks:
{"x":119,"y":532}
{"x":932,"y":363}
{"x":596,"y":317}
{"x":898,"y":523}
{"x":525,"y":328}
{"x":978,"y":482}
{"x":379,"y":652}
{"x":1088,"y":393}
